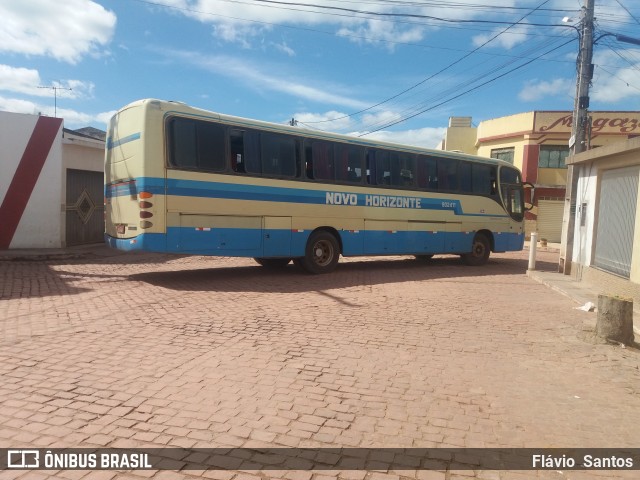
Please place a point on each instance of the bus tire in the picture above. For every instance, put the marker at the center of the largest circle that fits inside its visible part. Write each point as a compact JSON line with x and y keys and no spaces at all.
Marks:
{"x":480,"y":251}
{"x":273,"y":262}
{"x":321,"y":253}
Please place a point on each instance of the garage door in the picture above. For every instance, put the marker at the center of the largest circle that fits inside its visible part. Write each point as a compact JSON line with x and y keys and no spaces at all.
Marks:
{"x":616,"y":220}
{"x":550,"y":213}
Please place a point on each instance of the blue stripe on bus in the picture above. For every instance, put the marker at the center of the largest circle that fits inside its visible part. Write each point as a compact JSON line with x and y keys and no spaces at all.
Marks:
{"x":232,"y":191}
{"x":133,"y":187}
{"x":112,"y":144}
{"x":240,"y":242}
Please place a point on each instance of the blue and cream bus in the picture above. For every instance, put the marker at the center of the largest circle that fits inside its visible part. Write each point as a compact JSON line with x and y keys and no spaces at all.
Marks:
{"x":188,"y":181}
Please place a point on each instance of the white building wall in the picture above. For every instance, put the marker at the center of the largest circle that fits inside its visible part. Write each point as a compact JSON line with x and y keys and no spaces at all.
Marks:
{"x":587,"y":193}
{"x":83,"y":153}
{"x":39,"y":226}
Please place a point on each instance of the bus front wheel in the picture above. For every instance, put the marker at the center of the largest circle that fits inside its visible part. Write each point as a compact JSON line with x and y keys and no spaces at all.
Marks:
{"x":321,"y":253}
{"x":480,"y":251}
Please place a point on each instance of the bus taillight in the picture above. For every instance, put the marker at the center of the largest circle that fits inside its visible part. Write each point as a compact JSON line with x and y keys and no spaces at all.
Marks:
{"x":145,"y":195}
{"x":145,"y":214}
{"x":145,"y":224}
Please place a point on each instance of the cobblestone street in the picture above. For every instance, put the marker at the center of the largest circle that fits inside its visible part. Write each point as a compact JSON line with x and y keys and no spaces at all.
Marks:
{"x":152,"y":351}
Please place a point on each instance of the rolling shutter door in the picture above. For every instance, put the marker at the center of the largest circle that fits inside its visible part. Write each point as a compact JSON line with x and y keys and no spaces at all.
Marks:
{"x":550,"y":213}
{"x":616,"y":220}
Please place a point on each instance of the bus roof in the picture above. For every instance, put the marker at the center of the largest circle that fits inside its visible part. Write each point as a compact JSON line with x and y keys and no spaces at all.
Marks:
{"x":170,"y":106}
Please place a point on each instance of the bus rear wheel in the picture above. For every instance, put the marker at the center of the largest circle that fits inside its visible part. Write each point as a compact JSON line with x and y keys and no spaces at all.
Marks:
{"x":321,"y":253}
{"x":273,"y":262}
{"x":480,"y":251}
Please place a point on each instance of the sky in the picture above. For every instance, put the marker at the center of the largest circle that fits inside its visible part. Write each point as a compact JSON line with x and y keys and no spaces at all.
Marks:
{"x":394,"y":70}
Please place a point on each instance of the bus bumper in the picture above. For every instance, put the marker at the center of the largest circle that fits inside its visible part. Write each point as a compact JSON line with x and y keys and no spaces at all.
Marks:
{"x":148,"y":242}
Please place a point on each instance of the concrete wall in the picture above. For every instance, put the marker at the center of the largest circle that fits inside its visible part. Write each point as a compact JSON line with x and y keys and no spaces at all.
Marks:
{"x":30,"y":181}
{"x":34,"y":157}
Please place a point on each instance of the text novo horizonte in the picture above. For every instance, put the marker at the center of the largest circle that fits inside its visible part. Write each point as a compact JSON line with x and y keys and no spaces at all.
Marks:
{"x":391,"y":201}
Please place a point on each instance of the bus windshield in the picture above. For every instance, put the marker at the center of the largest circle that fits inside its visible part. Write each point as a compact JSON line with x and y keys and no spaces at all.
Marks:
{"x":512,"y":192}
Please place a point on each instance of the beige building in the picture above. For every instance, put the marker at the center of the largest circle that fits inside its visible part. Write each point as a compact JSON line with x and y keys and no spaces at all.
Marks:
{"x":538,"y":144}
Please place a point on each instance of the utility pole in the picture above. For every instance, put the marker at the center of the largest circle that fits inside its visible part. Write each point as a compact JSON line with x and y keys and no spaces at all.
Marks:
{"x":579,"y":132}
{"x":55,"y":89}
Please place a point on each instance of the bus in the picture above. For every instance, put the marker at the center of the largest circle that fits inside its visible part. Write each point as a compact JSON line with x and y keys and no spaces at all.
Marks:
{"x":188,"y":181}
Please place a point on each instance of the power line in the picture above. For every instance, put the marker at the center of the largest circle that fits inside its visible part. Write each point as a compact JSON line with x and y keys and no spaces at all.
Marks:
{"x":621,"y":79}
{"x":627,"y":10}
{"x":408,"y":117}
{"x":633,"y":65}
{"x":379,"y":15}
{"x":438,"y":72}
{"x":449,"y":23}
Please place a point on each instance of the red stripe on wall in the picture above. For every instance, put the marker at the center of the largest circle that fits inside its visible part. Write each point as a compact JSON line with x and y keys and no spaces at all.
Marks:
{"x":26,"y":175}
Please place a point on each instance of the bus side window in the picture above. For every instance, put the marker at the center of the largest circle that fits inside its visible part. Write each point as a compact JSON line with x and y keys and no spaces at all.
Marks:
{"x":308,"y":159}
{"x":278,"y":154}
{"x":348,"y":160}
{"x":383,"y":168}
{"x":427,"y":173}
{"x":236,"y":143}
{"x":211,"y":146}
{"x":183,"y":145}
{"x":464,"y":173}
{"x":447,"y":174}
{"x":371,"y":166}
{"x":402,"y":169}
{"x":197,"y":144}
{"x":481,"y":179}
{"x":323,"y":161}
{"x":494,"y":181}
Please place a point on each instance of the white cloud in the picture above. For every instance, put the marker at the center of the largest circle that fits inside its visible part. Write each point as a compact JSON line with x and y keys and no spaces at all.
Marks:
{"x":72,"y":118}
{"x":375,"y":31}
{"x":422,"y":137}
{"x":617,"y":79}
{"x":507,"y":40}
{"x":254,"y":77}
{"x":28,"y":81}
{"x":239,"y":22}
{"x":284,"y":48}
{"x":66,"y":31}
{"x":19,"y":80}
{"x":538,"y":89}
{"x":427,"y":137}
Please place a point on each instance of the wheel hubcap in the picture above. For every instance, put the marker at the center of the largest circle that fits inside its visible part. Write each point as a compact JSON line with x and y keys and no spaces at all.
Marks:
{"x":322,"y":253}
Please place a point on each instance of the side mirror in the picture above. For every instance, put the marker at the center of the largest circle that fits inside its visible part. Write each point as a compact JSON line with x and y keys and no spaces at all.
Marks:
{"x":533,"y":191}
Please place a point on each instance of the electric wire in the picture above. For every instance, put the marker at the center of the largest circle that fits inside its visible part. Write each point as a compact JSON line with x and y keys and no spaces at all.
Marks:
{"x":491,"y":80}
{"x":436,"y":73}
{"x":628,"y":11}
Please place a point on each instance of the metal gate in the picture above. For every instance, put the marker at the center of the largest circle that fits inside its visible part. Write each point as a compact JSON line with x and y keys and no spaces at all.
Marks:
{"x":550,"y":213}
{"x":84,"y":207}
{"x":616,"y":220}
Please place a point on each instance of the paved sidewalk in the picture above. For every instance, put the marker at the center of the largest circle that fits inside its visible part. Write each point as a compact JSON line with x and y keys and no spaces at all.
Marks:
{"x":42,"y":254}
{"x":146,"y":350}
{"x":580,"y":292}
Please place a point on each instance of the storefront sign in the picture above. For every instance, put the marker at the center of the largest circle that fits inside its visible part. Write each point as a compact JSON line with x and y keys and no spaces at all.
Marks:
{"x":620,"y":123}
